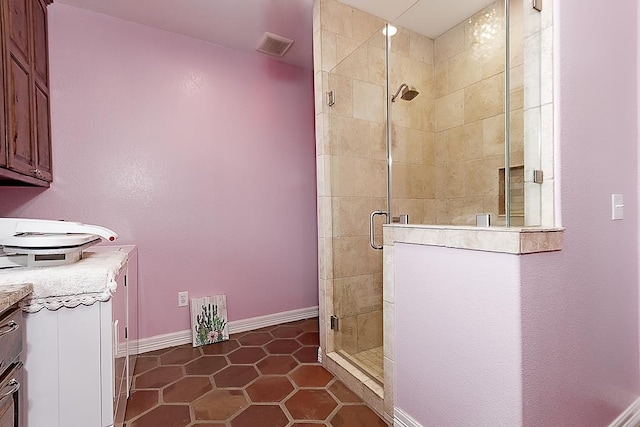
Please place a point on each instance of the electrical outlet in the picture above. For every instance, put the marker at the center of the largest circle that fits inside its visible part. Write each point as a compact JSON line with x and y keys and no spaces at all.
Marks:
{"x":183,"y":299}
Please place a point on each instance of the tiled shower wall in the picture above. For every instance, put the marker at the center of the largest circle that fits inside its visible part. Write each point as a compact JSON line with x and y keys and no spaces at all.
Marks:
{"x":470,"y":114}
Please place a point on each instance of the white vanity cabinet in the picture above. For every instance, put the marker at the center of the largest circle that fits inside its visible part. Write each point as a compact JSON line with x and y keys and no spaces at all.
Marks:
{"x":79,"y":361}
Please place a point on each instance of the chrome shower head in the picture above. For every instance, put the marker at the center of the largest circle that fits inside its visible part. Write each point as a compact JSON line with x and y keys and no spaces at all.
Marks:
{"x":408,"y":93}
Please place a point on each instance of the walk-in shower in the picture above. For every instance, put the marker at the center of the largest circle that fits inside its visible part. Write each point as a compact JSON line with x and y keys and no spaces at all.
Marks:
{"x":440,"y":159}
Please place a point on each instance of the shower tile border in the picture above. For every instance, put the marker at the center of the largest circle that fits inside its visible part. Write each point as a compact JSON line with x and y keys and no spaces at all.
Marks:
{"x":509,"y":240}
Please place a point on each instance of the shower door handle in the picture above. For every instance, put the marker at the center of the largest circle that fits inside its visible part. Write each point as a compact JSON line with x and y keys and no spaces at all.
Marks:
{"x":371,"y":231}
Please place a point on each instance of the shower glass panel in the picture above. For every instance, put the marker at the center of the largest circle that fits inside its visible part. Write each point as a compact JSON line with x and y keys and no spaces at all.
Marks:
{"x":449,"y":143}
{"x":461,"y":102}
{"x":358,"y":186}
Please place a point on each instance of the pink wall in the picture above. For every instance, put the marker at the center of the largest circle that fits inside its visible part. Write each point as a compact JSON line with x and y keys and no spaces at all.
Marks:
{"x":202,"y":156}
{"x":458,"y":339}
{"x":580,"y":306}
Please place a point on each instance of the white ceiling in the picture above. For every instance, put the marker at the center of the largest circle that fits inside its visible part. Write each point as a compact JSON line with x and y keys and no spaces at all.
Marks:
{"x":240,"y":24}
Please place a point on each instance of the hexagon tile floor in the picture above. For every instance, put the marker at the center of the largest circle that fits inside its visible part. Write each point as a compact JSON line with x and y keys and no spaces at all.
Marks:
{"x":264,"y":378}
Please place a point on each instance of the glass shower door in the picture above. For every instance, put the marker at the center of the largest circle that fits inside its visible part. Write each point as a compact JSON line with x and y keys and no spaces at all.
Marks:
{"x":358,"y":187}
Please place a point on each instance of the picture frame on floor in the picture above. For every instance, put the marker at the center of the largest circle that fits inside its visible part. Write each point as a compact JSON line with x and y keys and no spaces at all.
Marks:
{"x":209,"y":320}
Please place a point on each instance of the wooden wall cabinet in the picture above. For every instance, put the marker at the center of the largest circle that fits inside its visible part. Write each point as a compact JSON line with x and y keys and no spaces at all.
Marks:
{"x":25,"y":143}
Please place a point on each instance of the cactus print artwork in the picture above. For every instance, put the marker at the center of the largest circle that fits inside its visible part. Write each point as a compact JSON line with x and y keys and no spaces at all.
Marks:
{"x":209,"y":320}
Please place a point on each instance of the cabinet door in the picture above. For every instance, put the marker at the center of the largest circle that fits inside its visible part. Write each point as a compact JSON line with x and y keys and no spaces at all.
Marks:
{"x":41,"y":86}
{"x":21,"y":156}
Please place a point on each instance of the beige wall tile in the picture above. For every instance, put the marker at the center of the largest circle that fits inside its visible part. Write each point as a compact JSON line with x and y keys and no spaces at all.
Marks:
{"x":377,"y":67}
{"x":377,"y":141}
{"x":443,"y":215}
{"x":463,"y":70}
{"x":368,"y":102}
{"x":336,"y":18}
{"x":413,"y":207}
{"x":347,"y":338}
{"x":365,"y":25}
{"x":348,"y":249}
{"x":399,"y":181}
{"x":421,"y":113}
{"x":463,"y":211}
{"x":370,"y":178}
{"x":429,"y":148}
{"x":484,"y":99}
{"x":481,"y":178}
{"x":449,"y":44}
{"x":328,"y":50}
{"x":343,"y":176}
{"x":355,"y":65}
{"x":516,"y":130}
{"x":516,"y":43}
{"x":421,"y":48}
{"x":358,"y":294}
{"x":429,"y":212}
{"x":450,"y":110}
{"x":401,"y":42}
{"x":343,"y":89}
{"x":493,"y":135}
{"x":517,"y":98}
{"x":350,"y":216}
{"x":450,"y":181}
{"x":474,"y":139}
{"x":441,"y":79}
{"x":493,"y":56}
{"x":345,"y":46}
{"x":369,"y":330}
{"x":349,"y":136}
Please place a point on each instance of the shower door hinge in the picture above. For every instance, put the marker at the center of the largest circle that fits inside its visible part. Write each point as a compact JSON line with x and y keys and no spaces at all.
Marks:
{"x":537,"y":5}
{"x":334,"y":323}
{"x":538,"y":176}
{"x":331,"y":98}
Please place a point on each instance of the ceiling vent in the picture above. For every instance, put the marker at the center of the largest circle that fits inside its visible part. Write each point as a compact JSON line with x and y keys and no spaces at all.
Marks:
{"x":274,"y":45}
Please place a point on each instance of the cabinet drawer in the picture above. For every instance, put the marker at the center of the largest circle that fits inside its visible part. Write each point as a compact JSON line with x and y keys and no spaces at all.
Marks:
{"x":10,"y":337}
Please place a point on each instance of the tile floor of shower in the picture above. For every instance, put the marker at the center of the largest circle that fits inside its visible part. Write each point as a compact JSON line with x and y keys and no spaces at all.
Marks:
{"x":371,"y":362}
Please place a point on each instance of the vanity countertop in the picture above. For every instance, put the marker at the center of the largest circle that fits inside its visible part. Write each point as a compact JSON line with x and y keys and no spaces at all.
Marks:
{"x":11,"y":294}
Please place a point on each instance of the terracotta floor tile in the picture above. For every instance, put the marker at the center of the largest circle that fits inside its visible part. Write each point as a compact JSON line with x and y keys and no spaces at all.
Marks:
{"x":311,"y":376}
{"x":287,"y":331}
{"x":270,"y":389}
{"x":261,"y":415}
{"x":206,"y":365}
{"x":219,"y":405}
{"x":282,"y":346}
{"x":186,"y":390}
{"x":277,"y":365}
{"x":165,"y":416}
{"x":158,"y":377}
{"x":180,"y":355}
{"x":223,"y":347}
{"x":140,"y":401}
{"x":309,"y":338}
{"x":343,"y":394}
{"x":310,"y":405}
{"x":145,"y":363}
{"x":356,"y":416}
{"x":261,"y":378}
{"x":307,"y":355}
{"x":255,"y":338}
{"x":235,"y":376}
{"x":246,"y":355}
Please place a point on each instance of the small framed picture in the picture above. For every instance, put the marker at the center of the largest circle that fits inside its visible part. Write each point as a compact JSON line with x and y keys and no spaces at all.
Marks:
{"x":209,"y":320}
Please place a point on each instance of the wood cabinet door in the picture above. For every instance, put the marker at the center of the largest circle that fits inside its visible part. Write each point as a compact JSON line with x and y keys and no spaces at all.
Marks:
{"x":40,"y":69}
{"x":21,"y":156}
{"x":22,"y":150}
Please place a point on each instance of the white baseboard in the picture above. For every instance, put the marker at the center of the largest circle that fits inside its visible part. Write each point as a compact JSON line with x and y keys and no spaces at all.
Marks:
{"x":630,"y":417}
{"x":173,"y":339}
{"x":402,"y":419}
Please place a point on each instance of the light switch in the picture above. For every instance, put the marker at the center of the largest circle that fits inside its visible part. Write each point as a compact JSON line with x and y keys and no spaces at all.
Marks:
{"x":617,"y":207}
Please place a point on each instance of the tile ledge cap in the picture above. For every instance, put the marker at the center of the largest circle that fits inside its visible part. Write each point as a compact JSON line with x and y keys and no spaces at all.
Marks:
{"x":511,"y":240}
